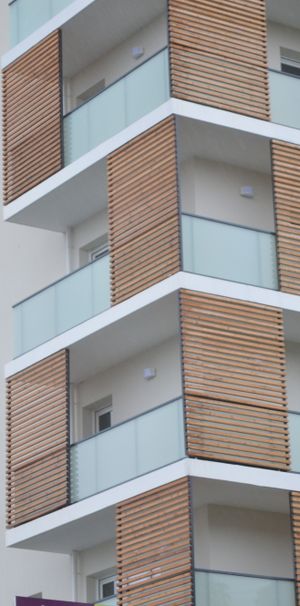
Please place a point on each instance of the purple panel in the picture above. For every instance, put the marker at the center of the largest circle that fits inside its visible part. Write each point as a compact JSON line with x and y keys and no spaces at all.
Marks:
{"x":42,"y":602}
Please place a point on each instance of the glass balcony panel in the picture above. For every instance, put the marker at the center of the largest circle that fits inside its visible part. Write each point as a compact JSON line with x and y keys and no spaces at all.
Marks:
{"x":230,"y":252}
{"x":156,"y":446}
{"x":294,"y":431}
{"x":132,"y":97}
{"x":106,"y":114}
{"x":61,"y":306}
{"x":76,"y":134}
{"x":28,"y":15}
{"x":107,"y":602}
{"x":285,"y":99}
{"x":100,"y":275}
{"x":34,"y":311}
{"x":217,"y":589}
{"x":144,"y":444}
{"x":74,"y":299}
{"x":147,"y":87}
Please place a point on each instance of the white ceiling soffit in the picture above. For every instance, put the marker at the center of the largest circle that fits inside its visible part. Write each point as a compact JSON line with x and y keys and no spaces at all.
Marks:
{"x":221,"y":144}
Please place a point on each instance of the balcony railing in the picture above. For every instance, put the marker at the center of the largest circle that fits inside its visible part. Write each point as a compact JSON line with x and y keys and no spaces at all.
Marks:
{"x":294,"y":432}
{"x":28,"y":15}
{"x":130,"y":98}
{"x":228,"y":589}
{"x":63,"y":305}
{"x":285,"y":98}
{"x":230,"y":252}
{"x":128,"y":450}
{"x":107,"y":602}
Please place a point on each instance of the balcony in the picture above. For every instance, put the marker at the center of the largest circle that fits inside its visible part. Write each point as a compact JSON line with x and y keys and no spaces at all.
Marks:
{"x":27,"y":15}
{"x":285,"y":98}
{"x":230,"y":252}
{"x":145,"y":445}
{"x":63,"y":305}
{"x":133,"y":96}
{"x":220,"y":589}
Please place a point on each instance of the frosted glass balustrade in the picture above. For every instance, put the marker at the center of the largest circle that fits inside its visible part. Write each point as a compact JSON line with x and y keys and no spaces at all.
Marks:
{"x":107,"y":602}
{"x":28,"y":15}
{"x":127,"y":451}
{"x":285,"y":99}
{"x":294,"y":431}
{"x":68,"y":302}
{"x":217,"y":589}
{"x":230,"y":252}
{"x":132,"y":97}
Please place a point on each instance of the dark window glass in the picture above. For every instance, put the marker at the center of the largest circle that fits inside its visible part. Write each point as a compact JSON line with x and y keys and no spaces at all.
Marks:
{"x":290,"y":69}
{"x":104,"y":421}
{"x":108,"y":589}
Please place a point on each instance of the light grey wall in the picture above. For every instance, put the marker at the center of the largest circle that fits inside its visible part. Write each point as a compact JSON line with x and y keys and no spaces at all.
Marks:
{"x":212,"y":189}
{"x":281,"y":36}
{"x":240,"y":540}
{"x":131,"y":393}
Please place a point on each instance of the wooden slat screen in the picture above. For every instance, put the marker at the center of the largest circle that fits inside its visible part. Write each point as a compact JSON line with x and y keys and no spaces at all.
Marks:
{"x":32,"y":146}
{"x":37,"y":445}
{"x":234,"y":381}
{"x":295,"y":523}
{"x":218,"y":54}
{"x":154,"y":547}
{"x":143,"y":211}
{"x":286,"y":185}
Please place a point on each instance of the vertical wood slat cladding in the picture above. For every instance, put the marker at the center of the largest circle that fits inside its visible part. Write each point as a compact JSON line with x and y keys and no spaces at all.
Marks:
{"x":218,"y":54}
{"x":37,"y":446}
{"x":234,"y":381}
{"x":295,"y":523}
{"x":143,"y":211}
{"x":32,"y":146}
{"x":154,"y":547}
{"x":286,"y":184}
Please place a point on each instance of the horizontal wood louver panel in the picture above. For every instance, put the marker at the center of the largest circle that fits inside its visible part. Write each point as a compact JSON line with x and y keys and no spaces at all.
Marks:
{"x":295,"y":523}
{"x":143,"y":211}
{"x":154,"y":547}
{"x":234,"y":380}
{"x":32,"y":146}
{"x":286,"y":185}
{"x":37,"y":445}
{"x":218,"y":54}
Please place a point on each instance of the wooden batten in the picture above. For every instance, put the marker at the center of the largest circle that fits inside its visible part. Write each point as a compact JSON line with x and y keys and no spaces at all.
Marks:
{"x":143,"y":211}
{"x":286,"y":185}
{"x":218,"y":54}
{"x":37,"y":444}
{"x":154,"y":547}
{"x":234,"y":381}
{"x":295,"y":525}
{"x":32,"y":113}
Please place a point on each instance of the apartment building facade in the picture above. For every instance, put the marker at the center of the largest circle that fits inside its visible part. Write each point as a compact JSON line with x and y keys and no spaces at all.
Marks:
{"x":153,"y":423}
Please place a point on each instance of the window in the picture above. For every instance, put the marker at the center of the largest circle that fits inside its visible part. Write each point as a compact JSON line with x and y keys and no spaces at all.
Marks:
{"x":102,"y":419}
{"x":290,"y":62}
{"x":91,"y":92}
{"x":106,"y":588}
{"x":96,"y":253}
